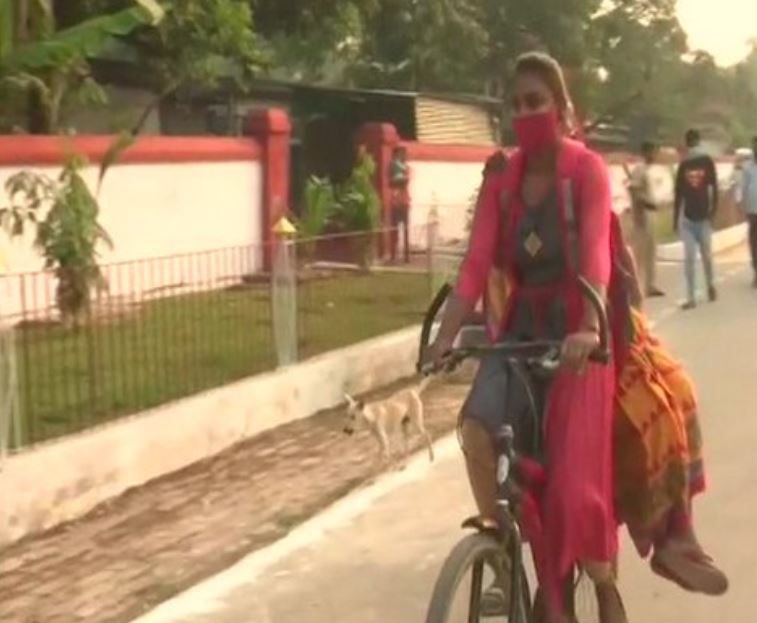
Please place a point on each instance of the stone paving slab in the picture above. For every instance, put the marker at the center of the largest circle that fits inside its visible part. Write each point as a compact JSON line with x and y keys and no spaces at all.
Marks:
{"x":149,"y":544}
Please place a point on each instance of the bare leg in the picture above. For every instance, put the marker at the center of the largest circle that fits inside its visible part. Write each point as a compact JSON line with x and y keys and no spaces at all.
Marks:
{"x":405,"y":440}
{"x":384,"y":441}
{"x":418,"y":418}
{"x":393,"y":239}
{"x":481,"y":462}
{"x":406,"y":237}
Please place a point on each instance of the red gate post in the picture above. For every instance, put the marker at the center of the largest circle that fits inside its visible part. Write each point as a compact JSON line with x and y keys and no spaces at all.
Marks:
{"x":379,"y":139}
{"x":272,"y":129}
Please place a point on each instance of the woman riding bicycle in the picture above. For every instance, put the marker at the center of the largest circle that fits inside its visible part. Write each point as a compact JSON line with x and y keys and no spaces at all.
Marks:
{"x":555,"y":197}
{"x":657,"y":442}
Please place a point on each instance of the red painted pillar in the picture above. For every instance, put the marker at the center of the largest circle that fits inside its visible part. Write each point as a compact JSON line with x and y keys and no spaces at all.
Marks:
{"x":379,"y":139}
{"x":273,"y":130}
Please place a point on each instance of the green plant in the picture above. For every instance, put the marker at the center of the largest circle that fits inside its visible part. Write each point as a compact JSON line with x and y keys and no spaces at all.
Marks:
{"x":64,"y":213}
{"x":358,"y":208}
{"x":49,"y":65}
{"x":352,"y":206}
{"x":320,"y":202}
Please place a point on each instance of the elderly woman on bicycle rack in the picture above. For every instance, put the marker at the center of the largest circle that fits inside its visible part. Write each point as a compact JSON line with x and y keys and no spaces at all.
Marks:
{"x":554,"y":198}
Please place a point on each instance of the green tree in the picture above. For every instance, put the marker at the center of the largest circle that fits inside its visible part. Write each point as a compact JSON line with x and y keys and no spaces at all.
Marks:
{"x":47,"y":65}
{"x":197,"y":42}
{"x":311,"y":40}
{"x":422,"y":45}
{"x":637,"y":50}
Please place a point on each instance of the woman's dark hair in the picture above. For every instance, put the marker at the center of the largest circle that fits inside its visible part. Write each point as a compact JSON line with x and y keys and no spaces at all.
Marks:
{"x":548,"y":70}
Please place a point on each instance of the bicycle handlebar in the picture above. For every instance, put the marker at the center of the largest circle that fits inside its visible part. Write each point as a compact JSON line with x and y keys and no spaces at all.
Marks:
{"x":542,"y":351}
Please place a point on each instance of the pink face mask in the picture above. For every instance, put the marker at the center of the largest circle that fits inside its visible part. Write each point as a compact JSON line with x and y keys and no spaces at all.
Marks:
{"x":537,"y":131}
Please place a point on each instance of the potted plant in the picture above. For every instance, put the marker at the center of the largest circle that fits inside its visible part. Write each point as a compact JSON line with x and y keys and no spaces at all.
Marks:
{"x":334,"y":212}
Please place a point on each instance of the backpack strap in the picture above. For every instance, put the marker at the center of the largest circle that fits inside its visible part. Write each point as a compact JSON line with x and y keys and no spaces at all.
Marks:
{"x":571,"y":224}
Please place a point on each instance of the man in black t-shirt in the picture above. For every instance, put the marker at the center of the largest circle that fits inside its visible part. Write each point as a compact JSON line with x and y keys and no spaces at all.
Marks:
{"x":696,"y":200}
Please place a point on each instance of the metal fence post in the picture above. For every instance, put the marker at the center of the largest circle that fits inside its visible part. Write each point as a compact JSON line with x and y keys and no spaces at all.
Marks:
{"x":10,"y":412}
{"x":284,"y":293}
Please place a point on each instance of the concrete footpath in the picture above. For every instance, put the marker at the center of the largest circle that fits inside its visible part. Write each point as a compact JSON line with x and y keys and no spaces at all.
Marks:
{"x":373,"y":557}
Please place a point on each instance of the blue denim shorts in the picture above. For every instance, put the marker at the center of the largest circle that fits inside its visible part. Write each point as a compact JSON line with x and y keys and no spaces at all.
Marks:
{"x":503,"y":394}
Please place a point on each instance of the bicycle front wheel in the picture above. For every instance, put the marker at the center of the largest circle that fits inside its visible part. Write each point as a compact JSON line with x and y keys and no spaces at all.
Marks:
{"x":477,"y":563}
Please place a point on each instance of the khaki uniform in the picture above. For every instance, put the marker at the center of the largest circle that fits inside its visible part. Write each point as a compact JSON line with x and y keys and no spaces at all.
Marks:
{"x":644,"y":215}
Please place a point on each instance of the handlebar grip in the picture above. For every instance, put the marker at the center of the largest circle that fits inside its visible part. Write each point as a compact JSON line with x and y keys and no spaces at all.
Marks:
{"x":428,"y":323}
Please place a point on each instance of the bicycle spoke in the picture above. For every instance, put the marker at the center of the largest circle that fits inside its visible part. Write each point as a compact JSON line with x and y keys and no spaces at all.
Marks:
{"x":474,"y":609}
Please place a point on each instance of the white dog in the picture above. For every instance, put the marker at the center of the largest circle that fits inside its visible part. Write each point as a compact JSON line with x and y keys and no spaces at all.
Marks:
{"x":385,"y":418}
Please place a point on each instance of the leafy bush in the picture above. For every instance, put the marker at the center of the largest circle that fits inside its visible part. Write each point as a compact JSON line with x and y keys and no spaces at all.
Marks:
{"x":359,"y":208}
{"x":352,"y":206}
{"x":64,"y":213}
{"x":320,"y":202}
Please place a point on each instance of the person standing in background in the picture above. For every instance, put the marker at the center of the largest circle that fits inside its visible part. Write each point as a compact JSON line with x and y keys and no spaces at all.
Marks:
{"x":644,"y":208}
{"x":696,"y":200}
{"x":749,"y":203}
{"x":399,"y":182}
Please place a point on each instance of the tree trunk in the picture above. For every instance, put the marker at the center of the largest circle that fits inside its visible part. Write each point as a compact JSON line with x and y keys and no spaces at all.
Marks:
{"x":37,"y":115}
{"x":22,"y":21}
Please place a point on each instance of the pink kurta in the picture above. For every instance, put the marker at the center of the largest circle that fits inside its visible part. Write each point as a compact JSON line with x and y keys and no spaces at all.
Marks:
{"x":572,"y":518}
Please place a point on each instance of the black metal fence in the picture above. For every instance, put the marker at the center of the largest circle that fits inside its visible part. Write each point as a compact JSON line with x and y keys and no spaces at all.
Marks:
{"x":166,"y":328}
{"x":170,"y":327}
{"x":349,"y":289}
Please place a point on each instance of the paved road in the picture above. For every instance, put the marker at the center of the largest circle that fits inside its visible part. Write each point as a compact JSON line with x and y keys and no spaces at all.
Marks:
{"x":374,"y":557}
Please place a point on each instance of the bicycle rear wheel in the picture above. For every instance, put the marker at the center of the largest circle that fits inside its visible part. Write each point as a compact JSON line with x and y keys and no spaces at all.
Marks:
{"x":470,"y":568}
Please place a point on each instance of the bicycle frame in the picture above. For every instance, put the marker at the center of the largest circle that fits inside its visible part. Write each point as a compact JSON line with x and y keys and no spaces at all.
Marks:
{"x":544,"y":354}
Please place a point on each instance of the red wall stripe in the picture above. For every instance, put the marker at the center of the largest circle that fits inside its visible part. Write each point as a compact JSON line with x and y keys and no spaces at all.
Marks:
{"x":51,"y":150}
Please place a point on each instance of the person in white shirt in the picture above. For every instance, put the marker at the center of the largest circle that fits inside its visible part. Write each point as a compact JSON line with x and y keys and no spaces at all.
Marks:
{"x":749,"y":203}
{"x":644,"y":208}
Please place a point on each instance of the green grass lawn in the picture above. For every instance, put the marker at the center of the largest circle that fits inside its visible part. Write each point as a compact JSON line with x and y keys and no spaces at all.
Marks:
{"x":174,"y":347}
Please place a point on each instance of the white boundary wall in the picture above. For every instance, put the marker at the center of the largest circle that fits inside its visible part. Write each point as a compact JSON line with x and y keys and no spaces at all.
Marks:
{"x":156,"y":210}
{"x":64,"y":479}
{"x":452,"y":187}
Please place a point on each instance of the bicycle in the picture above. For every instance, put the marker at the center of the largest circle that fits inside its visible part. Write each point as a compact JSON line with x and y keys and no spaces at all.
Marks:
{"x":502,"y":550}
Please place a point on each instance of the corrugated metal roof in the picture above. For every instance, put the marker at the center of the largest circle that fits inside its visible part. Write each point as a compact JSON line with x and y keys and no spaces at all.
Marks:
{"x":444,"y":121}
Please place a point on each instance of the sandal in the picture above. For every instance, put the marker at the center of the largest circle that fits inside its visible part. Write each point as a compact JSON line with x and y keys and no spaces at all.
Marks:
{"x":691,"y":569}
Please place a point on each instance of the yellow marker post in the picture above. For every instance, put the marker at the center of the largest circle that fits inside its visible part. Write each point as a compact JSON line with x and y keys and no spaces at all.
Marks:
{"x":284,"y":292}
{"x":284,"y":227}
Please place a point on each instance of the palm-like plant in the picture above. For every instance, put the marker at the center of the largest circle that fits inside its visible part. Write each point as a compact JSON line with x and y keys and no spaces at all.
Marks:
{"x":50,"y":64}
